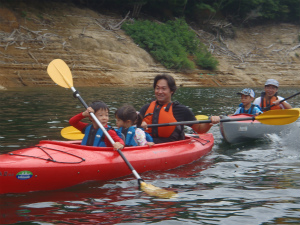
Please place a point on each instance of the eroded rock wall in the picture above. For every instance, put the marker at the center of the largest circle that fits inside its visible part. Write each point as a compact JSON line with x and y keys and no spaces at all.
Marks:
{"x":100,"y":54}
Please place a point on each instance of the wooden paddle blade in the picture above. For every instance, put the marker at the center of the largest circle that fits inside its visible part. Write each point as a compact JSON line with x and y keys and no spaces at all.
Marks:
{"x":278,"y":117}
{"x":201,"y":117}
{"x":71,"y":133}
{"x":60,"y":73}
{"x":156,"y":191}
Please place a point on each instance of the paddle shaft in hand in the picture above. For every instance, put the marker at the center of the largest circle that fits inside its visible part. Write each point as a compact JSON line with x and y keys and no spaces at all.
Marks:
{"x":268,"y":107}
{"x":273,"y":117}
{"x":72,"y":133}
{"x":60,"y":73}
{"x":109,"y":137}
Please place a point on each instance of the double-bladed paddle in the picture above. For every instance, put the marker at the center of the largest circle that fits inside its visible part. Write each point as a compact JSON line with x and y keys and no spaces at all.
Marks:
{"x":273,"y":117}
{"x":72,"y":133}
{"x":268,"y":107}
{"x":60,"y":73}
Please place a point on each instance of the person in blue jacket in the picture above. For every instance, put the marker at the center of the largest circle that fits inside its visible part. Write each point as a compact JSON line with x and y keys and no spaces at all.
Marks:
{"x":246,"y":106}
{"x":128,"y":121}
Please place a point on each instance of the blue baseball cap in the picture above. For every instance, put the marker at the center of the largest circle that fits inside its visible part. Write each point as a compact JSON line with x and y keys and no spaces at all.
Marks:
{"x":247,"y":91}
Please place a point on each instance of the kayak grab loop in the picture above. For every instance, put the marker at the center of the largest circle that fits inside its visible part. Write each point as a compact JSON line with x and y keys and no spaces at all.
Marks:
{"x":50,"y":157}
{"x":200,"y":140}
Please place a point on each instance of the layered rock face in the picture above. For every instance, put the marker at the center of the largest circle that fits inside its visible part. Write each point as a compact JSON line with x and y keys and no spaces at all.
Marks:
{"x":99,"y":53}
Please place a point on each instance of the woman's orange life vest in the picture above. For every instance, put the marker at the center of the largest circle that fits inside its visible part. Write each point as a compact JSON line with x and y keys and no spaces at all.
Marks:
{"x":157,"y":114}
{"x":265,"y":103}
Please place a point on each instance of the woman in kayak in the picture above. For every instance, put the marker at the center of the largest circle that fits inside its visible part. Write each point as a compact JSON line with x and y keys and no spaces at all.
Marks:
{"x":164,"y":110}
{"x":246,"y":106}
{"x":269,"y":99}
{"x":126,"y":118}
{"x":93,"y":135}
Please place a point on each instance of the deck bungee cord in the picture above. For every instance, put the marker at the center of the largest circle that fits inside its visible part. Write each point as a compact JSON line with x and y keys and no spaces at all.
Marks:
{"x":49,"y":155}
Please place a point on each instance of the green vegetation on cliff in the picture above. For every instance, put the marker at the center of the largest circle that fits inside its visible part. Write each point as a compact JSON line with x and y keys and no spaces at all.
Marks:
{"x":173,"y":44}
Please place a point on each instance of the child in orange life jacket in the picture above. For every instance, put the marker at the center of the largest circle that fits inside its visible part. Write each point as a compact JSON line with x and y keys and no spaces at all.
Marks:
{"x":94,"y":136}
{"x":126,"y":118}
{"x":269,"y":97}
{"x":247,"y":96}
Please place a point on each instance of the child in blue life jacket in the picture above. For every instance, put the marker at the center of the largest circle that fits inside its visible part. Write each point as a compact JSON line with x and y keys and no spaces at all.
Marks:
{"x":126,"y":118}
{"x":247,"y":96}
{"x":93,"y":135}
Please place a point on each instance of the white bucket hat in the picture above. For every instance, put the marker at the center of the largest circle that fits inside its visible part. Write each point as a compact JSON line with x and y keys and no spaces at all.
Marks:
{"x":272,"y":82}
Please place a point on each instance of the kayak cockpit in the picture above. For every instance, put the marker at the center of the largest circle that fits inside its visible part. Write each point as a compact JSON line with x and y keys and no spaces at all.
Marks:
{"x":77,"y":144}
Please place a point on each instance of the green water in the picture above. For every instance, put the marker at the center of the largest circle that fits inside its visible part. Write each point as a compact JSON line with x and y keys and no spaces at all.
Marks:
{"x":250,"y":183}
{"x":30,"y":115}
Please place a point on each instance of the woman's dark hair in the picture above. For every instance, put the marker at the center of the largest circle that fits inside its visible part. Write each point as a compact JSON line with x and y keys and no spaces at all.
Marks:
{"x":128,"y":112}
{"x":96,"y":105}
{"x":170,"y":80}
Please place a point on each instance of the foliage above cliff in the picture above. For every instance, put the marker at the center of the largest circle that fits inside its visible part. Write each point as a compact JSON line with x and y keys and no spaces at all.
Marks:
{"x":235,"y":11}
{"x":173,"y":44}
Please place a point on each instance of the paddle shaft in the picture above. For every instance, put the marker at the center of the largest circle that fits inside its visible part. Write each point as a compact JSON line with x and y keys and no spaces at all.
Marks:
{"x":268,"y":107}
{"x":272,"y":117}
{"x":196,"y":122}
{"x":77,"y":95}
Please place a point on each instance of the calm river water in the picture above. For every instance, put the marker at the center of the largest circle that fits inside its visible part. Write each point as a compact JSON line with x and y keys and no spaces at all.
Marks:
{"x":251,"y":183}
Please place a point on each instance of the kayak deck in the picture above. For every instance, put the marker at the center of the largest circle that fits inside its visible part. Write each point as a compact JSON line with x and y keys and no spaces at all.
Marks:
{"x":52,"y":165}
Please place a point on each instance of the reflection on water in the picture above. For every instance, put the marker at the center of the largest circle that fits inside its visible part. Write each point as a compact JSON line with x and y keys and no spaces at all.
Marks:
{"x":249,"y":183}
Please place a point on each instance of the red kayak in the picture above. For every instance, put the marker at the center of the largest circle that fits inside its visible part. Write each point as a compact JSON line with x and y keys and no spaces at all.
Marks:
{"x":53,"y":165}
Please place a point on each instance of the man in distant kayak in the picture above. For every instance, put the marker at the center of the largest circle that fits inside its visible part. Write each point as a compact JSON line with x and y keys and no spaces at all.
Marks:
{"x":269,"y":99}
{"x":163,"y":110}
{"x":246,"y":106}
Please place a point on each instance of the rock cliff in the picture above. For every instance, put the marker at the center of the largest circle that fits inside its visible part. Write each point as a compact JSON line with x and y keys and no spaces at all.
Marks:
{"x":100,"y":54}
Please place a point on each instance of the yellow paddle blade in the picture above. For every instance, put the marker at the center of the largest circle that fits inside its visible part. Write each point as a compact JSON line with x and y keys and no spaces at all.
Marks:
{"x":60,"y":73}
{"x":296,"y":109}
{"x":201,"y":117}
{"x":156,"y":191}
{"x":71,"y":133}
{"x":278,"y":117}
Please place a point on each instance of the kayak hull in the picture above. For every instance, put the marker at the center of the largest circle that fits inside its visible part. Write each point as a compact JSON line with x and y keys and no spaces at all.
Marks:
{"x":53,"y":165}
{"x":242,"y":131}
